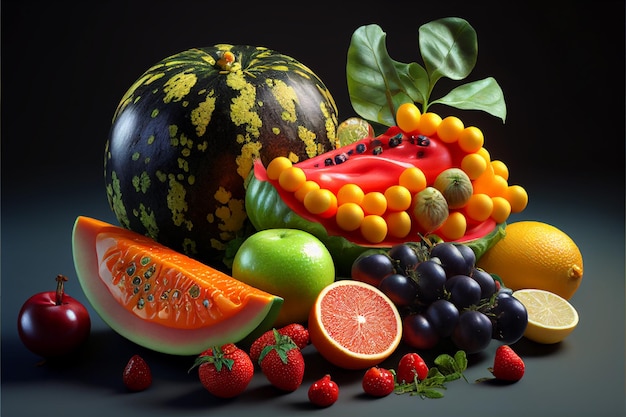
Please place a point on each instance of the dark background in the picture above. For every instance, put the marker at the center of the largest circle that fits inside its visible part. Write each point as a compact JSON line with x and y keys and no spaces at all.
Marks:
{"x":65,"y":67}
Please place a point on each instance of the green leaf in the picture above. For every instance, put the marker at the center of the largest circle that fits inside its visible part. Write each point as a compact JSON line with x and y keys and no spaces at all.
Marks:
{"x":446,"y":364}
{"x":432,"y":393}
{"x":377,"y":84}
{"x":452,"y":367}
{"x":448,"y":369}
{"x":449,"y":48}
{"x":461,"y":361}
{"x":414,"y":79}
{"x":482,"y":245}
{"x":485,"y":95}
{"x":434,"y":379}
{"x":217,"y":358}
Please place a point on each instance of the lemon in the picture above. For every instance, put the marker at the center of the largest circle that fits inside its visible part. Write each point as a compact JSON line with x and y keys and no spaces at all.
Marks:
{"x":551,"y":318}
{"x":537,"y":255}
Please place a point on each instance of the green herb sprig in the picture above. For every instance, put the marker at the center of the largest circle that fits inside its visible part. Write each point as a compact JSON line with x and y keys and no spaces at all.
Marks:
{"x":378,"y":85}
{"x":447,"y":369}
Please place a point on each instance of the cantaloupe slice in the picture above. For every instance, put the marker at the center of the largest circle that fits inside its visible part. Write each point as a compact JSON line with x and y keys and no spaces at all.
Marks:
{"x":160,"y":298}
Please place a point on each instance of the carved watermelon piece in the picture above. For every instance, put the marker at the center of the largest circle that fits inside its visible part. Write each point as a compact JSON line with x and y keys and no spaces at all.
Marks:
{"x":162,"y":299}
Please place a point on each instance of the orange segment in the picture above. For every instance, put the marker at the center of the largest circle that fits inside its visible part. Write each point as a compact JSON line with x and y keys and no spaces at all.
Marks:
{"x":354,"y":325}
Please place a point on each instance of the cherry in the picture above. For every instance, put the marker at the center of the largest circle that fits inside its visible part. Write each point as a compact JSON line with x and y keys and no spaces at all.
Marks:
{"x":52,"y":323}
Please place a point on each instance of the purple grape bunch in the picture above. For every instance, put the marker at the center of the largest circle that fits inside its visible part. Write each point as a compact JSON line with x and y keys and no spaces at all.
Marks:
{"x":443,"y":296}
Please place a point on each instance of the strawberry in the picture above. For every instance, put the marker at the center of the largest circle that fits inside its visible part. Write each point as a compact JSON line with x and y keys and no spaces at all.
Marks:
{"x":297,"y":332}
{"x":378,"y":382}
{"x":507,"y":365}
{"x":257,"y":346}
{"x":137,"y":375}
{"x":282,"y":363}
{"x":224,"y":371}
{"x":323,"y":392}
{"x":411,"y":365}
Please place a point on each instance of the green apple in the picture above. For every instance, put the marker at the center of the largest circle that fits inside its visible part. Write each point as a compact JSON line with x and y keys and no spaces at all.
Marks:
{"x":289,"y":263}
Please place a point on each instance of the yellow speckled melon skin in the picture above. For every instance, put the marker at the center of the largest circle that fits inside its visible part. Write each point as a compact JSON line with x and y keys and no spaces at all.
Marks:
{"x":186,"y":133}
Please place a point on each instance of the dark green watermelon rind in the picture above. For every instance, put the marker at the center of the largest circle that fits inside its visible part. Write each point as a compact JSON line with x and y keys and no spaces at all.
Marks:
{"x":266,"y":210}
{"x":255,"y":318}
{"x":185,"y":134}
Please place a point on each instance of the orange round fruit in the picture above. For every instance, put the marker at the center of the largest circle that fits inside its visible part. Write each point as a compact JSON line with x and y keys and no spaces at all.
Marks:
{"x":353,"y":325}
{"x":534,"y":254}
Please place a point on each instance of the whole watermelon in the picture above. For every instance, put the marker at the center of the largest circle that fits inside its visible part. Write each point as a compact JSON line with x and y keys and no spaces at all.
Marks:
{"x":186,"y":133}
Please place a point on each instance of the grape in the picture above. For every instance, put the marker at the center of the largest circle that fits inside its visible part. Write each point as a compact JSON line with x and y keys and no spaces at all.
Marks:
{"x":472,"y":332}
{"x":509,"y":318}
{"x":443,"y":316}
{"x":406,"y":257}
{"x":442,"y":294}
{"x":486,"y":282}
{"x":372,"y":268}
{"x":430,"y":277}
{"x":418,"y":332}
{"x":451,"y":259}
{"x":505,"y":290}
{"x":468,"y":255}
{"x":464,"y":291}
{"x":400,"y":289}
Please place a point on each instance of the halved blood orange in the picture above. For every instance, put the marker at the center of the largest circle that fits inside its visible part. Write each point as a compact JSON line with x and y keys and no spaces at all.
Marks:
{"x":354,"y":325}
{"x":160,"y":298}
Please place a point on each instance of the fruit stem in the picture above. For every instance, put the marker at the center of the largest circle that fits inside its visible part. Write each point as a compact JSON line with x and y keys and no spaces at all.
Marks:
{"x":226,"y":61}
{"x":59,"y":296}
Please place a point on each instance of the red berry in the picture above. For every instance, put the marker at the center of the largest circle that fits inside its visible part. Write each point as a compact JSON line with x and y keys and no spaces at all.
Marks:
{"x":410,"y":365}
{"x":224,"y":371}
{"x":323,"y":392}
{"x":282,"y":363}
{"x":507,"y":365}
{"x":298,"y":333}
{"x":257,"y":346}
{"x":137,"y":375}
{"x":378,"y":382}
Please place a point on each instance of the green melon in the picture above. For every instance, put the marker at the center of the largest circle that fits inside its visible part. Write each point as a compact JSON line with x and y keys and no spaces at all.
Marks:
{"x":160,"y":298}
{"x":186,"y":133}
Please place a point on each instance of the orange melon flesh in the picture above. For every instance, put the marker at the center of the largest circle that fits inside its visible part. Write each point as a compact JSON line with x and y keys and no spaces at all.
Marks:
{"x":160,"y":298}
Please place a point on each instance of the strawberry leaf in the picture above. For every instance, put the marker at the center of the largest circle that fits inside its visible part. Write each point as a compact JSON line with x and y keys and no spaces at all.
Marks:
{"x":216,"y":357}
{"x":283,"y":344}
